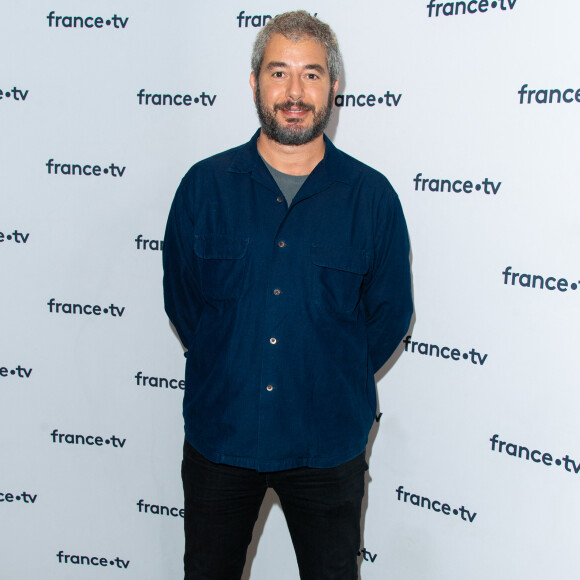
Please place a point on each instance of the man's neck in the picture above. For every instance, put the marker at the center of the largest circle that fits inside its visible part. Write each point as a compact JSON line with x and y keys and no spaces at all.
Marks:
{"x":292,"y":159}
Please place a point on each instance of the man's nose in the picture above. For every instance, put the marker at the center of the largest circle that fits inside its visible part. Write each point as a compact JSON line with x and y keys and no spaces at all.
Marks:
{"x":295,"y":88}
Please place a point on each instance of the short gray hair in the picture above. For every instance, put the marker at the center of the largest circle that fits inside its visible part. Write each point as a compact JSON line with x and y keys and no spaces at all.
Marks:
{"x":295,"y":26}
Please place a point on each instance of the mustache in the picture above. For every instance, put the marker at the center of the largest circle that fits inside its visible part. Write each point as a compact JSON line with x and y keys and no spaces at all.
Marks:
{"x":287,"y":106}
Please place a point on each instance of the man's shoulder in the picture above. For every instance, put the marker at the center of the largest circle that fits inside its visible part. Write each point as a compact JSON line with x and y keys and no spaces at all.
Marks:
{"x":219,"y":161}
{"x":358,"y":166}
{"x":360,"y":172}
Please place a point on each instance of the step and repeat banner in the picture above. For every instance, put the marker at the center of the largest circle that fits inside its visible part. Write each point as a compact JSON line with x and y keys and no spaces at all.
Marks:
{"x":471,"y":109}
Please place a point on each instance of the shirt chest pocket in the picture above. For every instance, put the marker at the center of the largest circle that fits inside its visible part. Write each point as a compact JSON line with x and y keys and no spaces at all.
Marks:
{"x":222,"y":265}
{"x":338,"y":275}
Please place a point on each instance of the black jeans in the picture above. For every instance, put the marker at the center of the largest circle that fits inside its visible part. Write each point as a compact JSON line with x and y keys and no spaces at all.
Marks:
{"x":322,"y":508}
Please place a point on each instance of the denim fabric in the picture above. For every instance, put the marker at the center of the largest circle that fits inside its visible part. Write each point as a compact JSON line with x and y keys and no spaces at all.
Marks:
{"x":322,"y":508}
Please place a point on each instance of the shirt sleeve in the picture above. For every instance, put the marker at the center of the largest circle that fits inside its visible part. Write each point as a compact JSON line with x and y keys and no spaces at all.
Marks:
{"x":387,"y":296}
{"x":183,"y":299}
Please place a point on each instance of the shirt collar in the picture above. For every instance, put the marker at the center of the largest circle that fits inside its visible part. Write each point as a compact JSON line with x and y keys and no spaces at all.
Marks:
{"x":333,"y":167}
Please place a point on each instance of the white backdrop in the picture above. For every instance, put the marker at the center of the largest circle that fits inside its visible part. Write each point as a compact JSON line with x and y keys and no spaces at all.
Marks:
{"x":444,"y":86}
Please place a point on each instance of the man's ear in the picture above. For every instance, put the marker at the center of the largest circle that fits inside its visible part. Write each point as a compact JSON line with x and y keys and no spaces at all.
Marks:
{"x":335,"y":86}
{"x":253,"y":84}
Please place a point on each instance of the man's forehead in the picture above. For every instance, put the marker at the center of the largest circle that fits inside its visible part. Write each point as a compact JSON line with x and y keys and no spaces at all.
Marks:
{"x":280,"y":47}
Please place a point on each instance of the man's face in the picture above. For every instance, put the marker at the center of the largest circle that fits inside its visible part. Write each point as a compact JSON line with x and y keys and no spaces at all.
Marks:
{"x":293,"y":94}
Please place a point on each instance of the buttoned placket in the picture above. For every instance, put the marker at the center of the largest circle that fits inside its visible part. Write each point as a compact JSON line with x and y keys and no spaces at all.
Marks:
{"x":275,"y":303}
{"x":279,"y":292}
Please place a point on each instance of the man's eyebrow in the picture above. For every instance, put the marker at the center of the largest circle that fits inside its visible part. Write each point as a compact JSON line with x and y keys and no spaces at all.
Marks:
{"x":316,"y":67}
{"x":276,"y":64}
{"x":281,"y":64}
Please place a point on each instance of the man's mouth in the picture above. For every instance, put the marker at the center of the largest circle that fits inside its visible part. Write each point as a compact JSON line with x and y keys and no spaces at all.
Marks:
{"x":294,"y":109}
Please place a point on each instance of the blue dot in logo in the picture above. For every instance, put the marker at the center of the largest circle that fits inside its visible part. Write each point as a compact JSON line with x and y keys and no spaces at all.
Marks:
{"x":17,"y":498}
{"x":558,"y":462}
{"x":107,"y":441}
{"x":12,"y":372}
{"x":7,"y":94}
{"x":465,"y":356}
{"x":105,"y":170}
{"x":573,"y":285}
{"x":494,"y":4}
{"x":108,"y":23}
{"x":455,"y":512}
{"x":8,"y":237}
{"x":380,"y":99}
{"x":112,"y":562}
{"x":478,"y":187}
{"x":196,"y":100}
{"x":106,"y":310}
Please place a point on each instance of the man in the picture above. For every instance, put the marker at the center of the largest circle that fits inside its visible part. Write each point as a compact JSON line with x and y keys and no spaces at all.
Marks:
{"x":287,"y":279}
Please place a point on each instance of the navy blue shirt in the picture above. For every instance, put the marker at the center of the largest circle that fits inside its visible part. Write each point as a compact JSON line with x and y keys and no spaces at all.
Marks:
{"x":286,"y":313}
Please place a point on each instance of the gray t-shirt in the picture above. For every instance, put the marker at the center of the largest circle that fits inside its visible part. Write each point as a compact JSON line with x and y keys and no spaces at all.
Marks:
{"x":289,"y":184}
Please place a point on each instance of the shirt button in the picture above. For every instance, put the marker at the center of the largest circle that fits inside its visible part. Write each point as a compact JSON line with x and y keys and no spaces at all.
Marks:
{"x":279,"y":199}
{"x":277,"y":292}
{"x":273,"y":341}
{"x":269,"y":388}
{"x":281,"y":244}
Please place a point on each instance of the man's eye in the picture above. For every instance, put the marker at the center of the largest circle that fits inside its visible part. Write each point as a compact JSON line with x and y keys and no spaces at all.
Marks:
{"x":278,"y":74}
{"x":312,"y":76}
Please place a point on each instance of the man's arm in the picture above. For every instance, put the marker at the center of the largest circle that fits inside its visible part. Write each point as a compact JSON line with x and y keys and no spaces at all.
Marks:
{"x":183,"y":299}
{"x":387,"y":294}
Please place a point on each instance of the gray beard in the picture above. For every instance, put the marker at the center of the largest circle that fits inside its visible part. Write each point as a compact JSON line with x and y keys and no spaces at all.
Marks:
{"x":292,"y":135}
